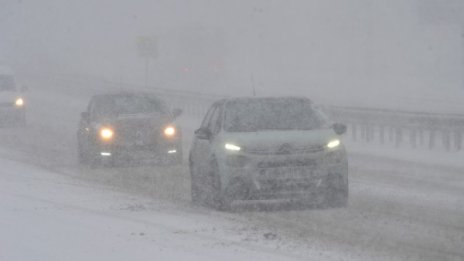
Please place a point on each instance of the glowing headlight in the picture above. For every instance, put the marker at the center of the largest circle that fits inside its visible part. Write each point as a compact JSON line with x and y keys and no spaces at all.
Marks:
{"x":19,"y":102}
{"x":106,"y":133}
{"x":170,"y":131}
{"x":232,"y":147}
{"x":333,"y":144}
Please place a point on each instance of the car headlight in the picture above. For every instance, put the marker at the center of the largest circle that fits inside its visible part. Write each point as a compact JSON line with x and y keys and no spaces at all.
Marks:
{"x":232,"y":147}
{"x":106,"y":133}
{"x":169,"y":131}
{"x":333,"y":144}
{"x":19,"y":102}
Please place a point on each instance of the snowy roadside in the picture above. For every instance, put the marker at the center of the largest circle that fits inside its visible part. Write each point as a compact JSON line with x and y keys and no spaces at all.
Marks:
{"x":46,"y":216}
{"x":442,"y":159}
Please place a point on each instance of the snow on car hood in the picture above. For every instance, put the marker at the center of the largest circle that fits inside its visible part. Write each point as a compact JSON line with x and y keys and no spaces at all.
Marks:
{"x":272,"y":139}
{"x":141,"y":120}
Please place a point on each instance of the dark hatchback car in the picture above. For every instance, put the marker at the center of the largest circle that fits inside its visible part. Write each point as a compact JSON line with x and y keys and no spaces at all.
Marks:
{"x":268,"y":149}
{"x":128,"y":127}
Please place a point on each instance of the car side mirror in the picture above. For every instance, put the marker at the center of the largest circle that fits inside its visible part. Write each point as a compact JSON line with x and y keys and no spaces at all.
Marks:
{"x":339,"y":128}
{"x":176,"y":112}
{"x":85,"y":115}
{"x":203,"y":134}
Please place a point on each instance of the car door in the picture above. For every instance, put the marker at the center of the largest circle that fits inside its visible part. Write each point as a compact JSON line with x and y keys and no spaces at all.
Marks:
{"x":214,"y":126}
{"x":202,"y":148}
{"x":199,"y":144}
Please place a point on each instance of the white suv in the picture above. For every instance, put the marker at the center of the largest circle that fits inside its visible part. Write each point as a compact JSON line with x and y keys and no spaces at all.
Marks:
{"x":268,"y":148}
{"x":12,"y":104}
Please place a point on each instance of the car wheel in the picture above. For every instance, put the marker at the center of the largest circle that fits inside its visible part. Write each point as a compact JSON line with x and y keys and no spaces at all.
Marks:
{"x":215,"y":198}
{"x":81,"y":156}
{"x":337,"y":193}
{"x":195,"y":191}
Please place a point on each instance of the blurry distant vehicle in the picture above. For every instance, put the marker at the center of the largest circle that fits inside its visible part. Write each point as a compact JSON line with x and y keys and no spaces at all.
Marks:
{"x":131,"y":127}
{"x":268,"y":148}
{"x":12,"y":102}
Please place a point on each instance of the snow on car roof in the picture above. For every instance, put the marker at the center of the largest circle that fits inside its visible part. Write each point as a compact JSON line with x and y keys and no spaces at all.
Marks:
{"x":127,"y":93}
{"x":263,"y":99}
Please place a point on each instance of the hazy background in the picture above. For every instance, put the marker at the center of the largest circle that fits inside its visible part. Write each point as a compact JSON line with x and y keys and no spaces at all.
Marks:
{"x":404,"y":54}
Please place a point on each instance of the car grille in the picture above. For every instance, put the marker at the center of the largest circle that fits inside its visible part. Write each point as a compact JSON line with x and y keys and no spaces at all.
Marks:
{"x":287,"y":176}
{"x":287,"y":163}
{"x":280,"y":151}
{"x":139,"y":135}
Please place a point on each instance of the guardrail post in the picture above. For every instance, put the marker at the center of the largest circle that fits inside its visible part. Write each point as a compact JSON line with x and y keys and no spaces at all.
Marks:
{"x":390,"y":134}
{"x":354,"y":132}
{"x":446,"y":140}
{"x":363,"y":132}
{"x":413,"y":138}
{"x":458,"y":140}
{"x":368,"y":133}
{"x":398,"y":136}
{"x":421,"y":138}
{"x":432,"y":139}
{"x":382,"y":134}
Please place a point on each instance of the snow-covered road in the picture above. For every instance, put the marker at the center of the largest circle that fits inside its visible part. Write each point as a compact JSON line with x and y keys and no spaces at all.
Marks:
{"x":398,"y":210}
{"x":46,"y":216}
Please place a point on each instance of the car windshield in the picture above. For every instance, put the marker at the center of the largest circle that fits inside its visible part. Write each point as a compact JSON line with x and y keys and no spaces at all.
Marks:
{"x":128,"y":104}
{"x":7,"y":83}
{"x":278,"y":114}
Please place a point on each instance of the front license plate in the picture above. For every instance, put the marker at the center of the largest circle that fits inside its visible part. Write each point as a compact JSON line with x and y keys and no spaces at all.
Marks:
{"x":287,"y":173}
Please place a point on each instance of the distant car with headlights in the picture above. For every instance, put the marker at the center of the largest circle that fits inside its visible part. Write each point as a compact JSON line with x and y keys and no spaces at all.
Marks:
{"x":128,"y":127}
{"x":268,"y":149}
{"x":12,"y":102}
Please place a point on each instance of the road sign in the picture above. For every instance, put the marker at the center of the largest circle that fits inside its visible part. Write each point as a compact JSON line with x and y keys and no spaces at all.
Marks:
{"x":147,"y":47}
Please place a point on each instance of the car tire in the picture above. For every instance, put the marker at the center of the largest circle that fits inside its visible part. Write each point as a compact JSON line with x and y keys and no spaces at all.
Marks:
{"x":81,"y":156}
{"x":195,"y":191}
{"x":337,"y":193}
{"x":215,"y":198}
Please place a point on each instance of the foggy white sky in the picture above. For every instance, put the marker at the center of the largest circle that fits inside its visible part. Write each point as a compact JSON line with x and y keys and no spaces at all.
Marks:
{"x":373,"y":47}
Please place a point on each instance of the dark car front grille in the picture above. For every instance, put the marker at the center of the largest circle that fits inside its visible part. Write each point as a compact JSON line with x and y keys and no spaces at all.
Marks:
{"x":287,"y":163}
{"x":137,"y":135}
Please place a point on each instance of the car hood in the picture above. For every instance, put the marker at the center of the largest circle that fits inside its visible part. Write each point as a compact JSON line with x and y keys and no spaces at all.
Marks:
{"x":272,"y":140}
{"x":152,"y":121}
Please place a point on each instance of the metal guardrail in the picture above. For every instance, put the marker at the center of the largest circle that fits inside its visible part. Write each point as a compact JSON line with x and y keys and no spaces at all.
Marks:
{"x":399,"y":129}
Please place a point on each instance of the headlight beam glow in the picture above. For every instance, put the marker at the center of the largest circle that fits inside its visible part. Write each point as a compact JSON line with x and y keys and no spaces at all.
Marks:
{"x":333,"y":144}
{"x":232,"y":147}
{"x":106,"y":133}
{"x":19,"y":102}
{"x":170,"y":131}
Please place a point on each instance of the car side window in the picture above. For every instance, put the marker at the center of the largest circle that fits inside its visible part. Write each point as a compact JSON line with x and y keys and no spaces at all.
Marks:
{"x":216,"y":120}
{"x":206,"y":119}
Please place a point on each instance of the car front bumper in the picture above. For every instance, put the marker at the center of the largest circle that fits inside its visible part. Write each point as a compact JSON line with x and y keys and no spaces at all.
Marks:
{"x":283,"y":177}
{"x":157,"y":152}
{"x":11,"y":114}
